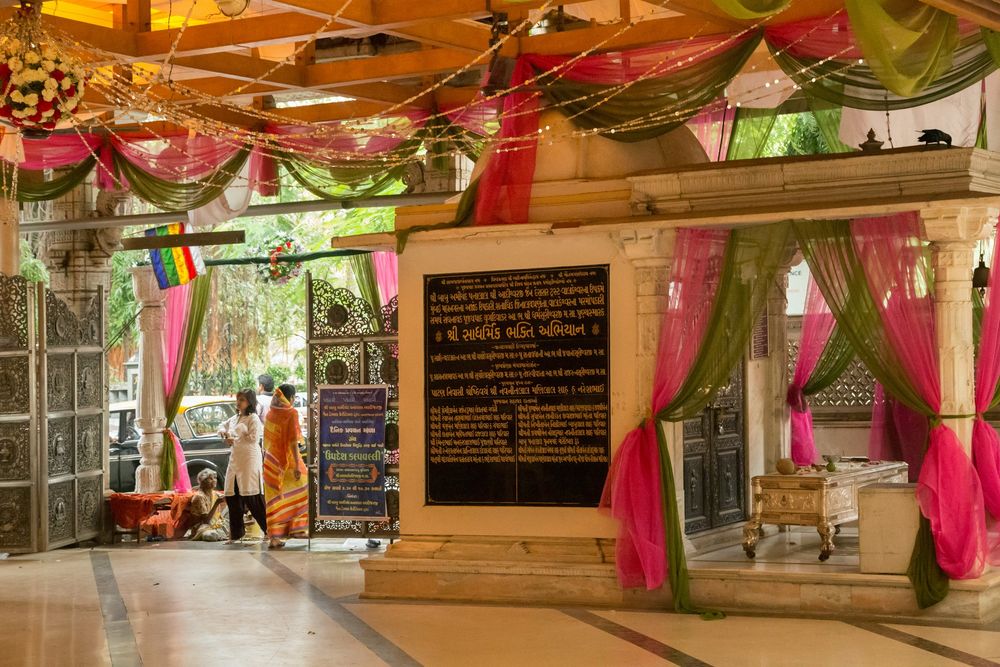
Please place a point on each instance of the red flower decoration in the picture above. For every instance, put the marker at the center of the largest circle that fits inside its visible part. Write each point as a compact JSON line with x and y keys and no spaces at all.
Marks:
{"x":56,"y":74}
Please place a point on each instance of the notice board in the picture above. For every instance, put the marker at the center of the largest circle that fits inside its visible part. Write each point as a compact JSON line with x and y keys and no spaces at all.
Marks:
{"x":517,"y":387}
{"x":352,"y":452}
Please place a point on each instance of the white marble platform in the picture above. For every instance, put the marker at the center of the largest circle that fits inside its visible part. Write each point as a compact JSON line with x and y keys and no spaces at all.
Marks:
{"x":785,"y":577}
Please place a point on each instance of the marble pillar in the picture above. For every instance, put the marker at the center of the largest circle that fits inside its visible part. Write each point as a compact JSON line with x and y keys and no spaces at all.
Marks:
{"x":777,"y":434}
{"x":953,"y":233}
{"x":651,"y":253}
{"x":151,"y":404}
{"x":10,"y":247}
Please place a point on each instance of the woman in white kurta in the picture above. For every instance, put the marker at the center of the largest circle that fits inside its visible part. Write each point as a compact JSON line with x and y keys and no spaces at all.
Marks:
{"x":241,"y":433}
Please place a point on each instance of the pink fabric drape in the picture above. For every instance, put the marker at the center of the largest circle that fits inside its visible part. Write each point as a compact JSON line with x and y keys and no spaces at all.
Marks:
{"x":505,"y":184}
{"x":633,"y":490}
{"x":898,"y":433}
{"x":474,"y":117}
{"x":713,"y":127}
{"x":341,"y":139}
{"x":386,"y":275}
{"x":174,"y":158}
{"x":176,"y":311}
{"x":59,"y":150}
{"x":948,"y":489}
{"x":817,"y":326}
{"x":985,"y":440}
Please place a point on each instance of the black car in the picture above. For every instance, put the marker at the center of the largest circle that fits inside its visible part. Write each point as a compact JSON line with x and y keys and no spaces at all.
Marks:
{"x":196,"y":425}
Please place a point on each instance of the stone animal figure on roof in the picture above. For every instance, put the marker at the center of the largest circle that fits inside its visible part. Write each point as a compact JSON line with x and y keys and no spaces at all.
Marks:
{"x":934,"y":137}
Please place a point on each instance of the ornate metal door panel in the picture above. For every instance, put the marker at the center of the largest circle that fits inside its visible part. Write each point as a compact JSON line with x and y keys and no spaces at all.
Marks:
{"x":349,"y":344}
{"x":18,"y":424}
{"x":714,"y":461}
{"x":73,"y":403}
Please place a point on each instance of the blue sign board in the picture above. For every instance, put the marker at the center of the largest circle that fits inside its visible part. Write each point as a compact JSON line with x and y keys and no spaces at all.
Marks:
{"x":352,"y":452}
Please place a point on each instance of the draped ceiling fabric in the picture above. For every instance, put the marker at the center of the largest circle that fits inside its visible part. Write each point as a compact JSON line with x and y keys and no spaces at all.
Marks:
{"x":876,"y":55}
{"x":178,"y":172}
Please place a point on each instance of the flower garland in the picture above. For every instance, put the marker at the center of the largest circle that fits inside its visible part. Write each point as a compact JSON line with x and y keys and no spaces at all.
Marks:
{"x":39,"y":86}
{"x":276,"y":271}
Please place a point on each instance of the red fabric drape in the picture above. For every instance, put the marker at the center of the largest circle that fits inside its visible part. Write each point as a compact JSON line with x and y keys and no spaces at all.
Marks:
{"x":633,"y":489}
{"x":817,"y":325}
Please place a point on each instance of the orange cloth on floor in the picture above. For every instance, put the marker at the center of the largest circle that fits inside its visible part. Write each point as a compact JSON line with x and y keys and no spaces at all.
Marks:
{"x":131,"y":509}
{"x":172,"y":523}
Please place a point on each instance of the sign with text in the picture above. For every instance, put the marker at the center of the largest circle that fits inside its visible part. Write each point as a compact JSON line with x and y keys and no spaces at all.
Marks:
{"x":517,"y":387}
{"x":352,"y":452}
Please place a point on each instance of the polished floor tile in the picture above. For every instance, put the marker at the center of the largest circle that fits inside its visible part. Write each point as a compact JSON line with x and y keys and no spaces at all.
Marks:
{"x":982,"y":643}
{"x":772,"y":642}
{"x":448,"y":635}
{"x":178,"y":604}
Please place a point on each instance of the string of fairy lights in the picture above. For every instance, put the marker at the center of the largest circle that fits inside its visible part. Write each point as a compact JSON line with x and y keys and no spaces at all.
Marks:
{"x":116,"y":84}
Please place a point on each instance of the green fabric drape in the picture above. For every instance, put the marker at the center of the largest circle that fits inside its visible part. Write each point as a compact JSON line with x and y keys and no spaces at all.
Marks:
{"x":200,"y":290}
{"x":651,"y":107}
{"x":32,"y":187}
{"x":363,"y":267}
{"x":829,"y":250}
{"x":836,"y":357}
{"x":924,"y":568}
{"x":992,"y":40}
{"x":752,"y":258}
{"x":852,"y":84}
{"x":752,"y":9}
{"x":365,"y":180}
{"x":827,"y":117}
{"x":180,"y":197}
{"x":908,"y":44}
{"x":751,"y":130}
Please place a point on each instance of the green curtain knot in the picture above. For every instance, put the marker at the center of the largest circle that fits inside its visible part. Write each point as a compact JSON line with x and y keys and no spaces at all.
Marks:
{"x":937,"y":420}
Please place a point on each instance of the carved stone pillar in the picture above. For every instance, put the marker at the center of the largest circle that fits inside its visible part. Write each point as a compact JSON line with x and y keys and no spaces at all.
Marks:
{"x":953,"y":232}
{"x":651,"y":254}
{"x":777,"y":435}
{"x":150,"y":417}
{"x":10,"y":247}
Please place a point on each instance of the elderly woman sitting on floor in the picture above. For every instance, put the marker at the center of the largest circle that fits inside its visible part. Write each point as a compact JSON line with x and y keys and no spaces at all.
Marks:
{"x":208,"y":511}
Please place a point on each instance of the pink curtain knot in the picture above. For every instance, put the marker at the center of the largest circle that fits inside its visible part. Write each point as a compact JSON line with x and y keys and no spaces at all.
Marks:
{"x":796,"y":399}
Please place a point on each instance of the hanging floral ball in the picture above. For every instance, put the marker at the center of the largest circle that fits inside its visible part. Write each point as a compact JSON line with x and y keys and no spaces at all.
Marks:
{"x":38,"y":85}
{"x":275,"y":271}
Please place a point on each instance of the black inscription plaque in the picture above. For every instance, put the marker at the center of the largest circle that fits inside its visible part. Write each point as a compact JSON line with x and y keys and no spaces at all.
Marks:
{"x":517,"y":387}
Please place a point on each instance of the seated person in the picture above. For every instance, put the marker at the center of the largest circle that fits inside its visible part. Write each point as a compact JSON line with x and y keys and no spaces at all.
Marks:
{"x":208,"y":511}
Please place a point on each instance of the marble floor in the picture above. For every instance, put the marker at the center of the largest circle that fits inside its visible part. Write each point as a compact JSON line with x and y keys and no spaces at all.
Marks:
{"x":204,"y":604}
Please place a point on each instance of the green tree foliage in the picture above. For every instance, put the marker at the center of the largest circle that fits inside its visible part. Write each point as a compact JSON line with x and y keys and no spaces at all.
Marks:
{"x":32,"y":269}
{"x":252,"y":326}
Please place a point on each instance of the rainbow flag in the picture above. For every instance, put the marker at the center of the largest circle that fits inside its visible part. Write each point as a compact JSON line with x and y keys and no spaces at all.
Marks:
{"x":175,"y":266}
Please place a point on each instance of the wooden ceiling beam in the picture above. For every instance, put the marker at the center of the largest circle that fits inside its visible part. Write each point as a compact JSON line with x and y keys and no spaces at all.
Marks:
{"x":256,"y":31}
{"x":245,"y":68}
{"x":386,"y":93}
{"x":458,"y":35}
{"x":982,"y":12}
{"x":641,"y":34}
{"x":384,"y":68}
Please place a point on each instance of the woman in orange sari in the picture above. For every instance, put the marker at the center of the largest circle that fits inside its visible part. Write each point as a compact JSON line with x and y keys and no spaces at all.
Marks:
{"x":285,"y":477}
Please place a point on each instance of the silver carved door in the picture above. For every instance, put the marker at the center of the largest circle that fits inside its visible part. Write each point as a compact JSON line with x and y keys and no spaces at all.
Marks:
{"x":72,"y":433}
{"x":715,"y":461}
{"x":18,"y":419}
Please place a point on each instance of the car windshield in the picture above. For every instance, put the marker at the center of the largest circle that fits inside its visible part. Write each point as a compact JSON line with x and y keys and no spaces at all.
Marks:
{"x":204,"y":420}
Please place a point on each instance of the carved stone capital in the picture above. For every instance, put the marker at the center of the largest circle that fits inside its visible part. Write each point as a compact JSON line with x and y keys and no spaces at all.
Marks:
{"x":644,"y":247}
{"x":147,"y":291}
{"x":958,"y":224}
